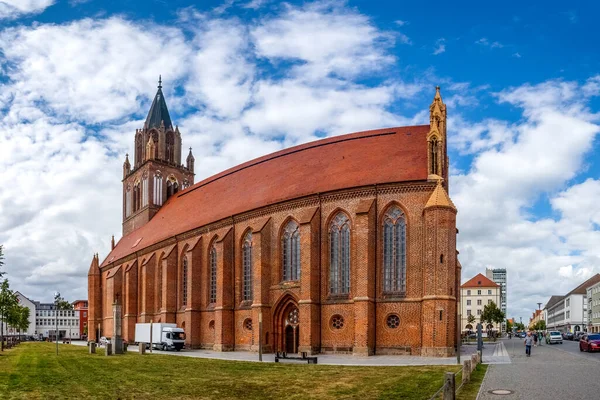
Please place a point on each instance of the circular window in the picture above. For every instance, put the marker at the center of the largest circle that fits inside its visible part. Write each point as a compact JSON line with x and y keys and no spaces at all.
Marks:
{"x":393,"y":321}
{"x":294,"y":317}
{"x":248,"y":324}
{"x":337,"y":322}
{"x":211,"y":325}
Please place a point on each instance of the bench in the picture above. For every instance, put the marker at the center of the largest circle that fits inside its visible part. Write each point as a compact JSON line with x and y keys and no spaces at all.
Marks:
{"x":303,"y":357}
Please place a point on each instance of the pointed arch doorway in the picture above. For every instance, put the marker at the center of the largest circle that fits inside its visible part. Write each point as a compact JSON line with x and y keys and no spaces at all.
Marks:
{"x":287,"y":325}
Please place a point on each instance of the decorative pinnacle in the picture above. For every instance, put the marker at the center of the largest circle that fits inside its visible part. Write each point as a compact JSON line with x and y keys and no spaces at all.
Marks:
{"x":160,"y":81}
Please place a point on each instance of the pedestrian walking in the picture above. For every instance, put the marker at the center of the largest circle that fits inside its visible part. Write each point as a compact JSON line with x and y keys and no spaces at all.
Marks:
{"x":541,"y":337}
{"x":528,"y":343}
{"x":535,"y":339}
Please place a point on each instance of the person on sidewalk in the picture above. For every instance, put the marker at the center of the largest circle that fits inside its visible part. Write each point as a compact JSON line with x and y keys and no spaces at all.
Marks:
{"x":528,"y":343}
{"x":535,"y":339}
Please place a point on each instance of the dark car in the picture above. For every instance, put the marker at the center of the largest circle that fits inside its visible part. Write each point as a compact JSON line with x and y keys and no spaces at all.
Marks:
{"x":589,"y":342}
{"x":568,"y":336}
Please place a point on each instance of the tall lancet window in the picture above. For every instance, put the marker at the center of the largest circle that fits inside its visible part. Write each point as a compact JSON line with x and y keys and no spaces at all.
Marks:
{"x":394,"y":251}
{"x":158,"y":189}
{"x":433,"y":155}
{"x":139,"y":145}
{"x":184,"y":281}
{"x":128,"y":201}
{"x":212,"y":298}
{"x":339,"y":255}
{"x":247,"y":267}
{"x":290,"y":245}
{"x":170,"y":149}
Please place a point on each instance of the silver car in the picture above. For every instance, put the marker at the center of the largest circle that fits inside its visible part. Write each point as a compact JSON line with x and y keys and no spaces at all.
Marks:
{"x":554,"y":337}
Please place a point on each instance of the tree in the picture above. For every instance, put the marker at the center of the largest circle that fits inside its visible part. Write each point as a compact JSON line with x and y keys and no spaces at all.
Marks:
{"x":520,"y":326}
{"x":8,"y":300}
{"x":509,"y":325}
{"x":24,"y":313}
{"x":61,"y":304}
{"x":492,"y":315}
{"x":540,"y":326}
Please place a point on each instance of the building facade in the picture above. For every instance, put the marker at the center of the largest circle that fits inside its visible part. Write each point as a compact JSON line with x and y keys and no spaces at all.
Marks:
{"x":593,"y":297}
{"x":48,"y":319}
{"x":25,"y":302}
{"x":346,"y":244}
{"x":475,"y":294}
{"x":82,"y":307}
{"x":569,"y":313}
{"x":537,"y":316}
{"x":498,"y":276}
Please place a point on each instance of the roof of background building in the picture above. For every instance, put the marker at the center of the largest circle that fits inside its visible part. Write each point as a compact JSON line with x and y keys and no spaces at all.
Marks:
{"x":553,"y":300}
{"x":582,"y":289}
{"x":347,"y":161}
{"x":479,"y":280}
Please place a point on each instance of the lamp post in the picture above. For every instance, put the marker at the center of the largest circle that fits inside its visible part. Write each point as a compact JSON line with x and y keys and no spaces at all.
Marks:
{"x":56,"y":294}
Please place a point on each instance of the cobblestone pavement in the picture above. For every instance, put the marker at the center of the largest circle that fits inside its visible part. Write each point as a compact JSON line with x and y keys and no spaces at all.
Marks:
{"x":550,"y":373}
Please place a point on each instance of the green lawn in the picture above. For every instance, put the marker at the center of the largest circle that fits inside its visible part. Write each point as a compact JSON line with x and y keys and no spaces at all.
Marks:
{"x":33,"y":371}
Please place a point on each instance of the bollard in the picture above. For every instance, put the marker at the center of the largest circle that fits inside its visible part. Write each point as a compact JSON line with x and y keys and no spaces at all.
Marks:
{"x":473,"y":362}
{"x":449,"y":386}
{"x":108,"y":349}
{"x":142,"y":348}
{"x":466,"y":374}
{"x":92,"y":347}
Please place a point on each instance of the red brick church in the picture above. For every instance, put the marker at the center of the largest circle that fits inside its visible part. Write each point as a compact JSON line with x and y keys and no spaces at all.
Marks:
{"x":346,"y":244}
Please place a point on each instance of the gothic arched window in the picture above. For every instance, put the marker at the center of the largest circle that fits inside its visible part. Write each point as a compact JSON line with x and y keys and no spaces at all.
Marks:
{"x":155,"y":139}
{"x":172,"y":187}
{"x":184,"y":281}
{"x":290,"y":244}
{"x":139,"y":145}
{"x":394,"y":251}
{"x":213,"y":276}
{"x":433,"y":155}
{"x":170,"y":149}
{"x":339,"y":255}
{"x":137,"y":198}
{"x":247,"y":266}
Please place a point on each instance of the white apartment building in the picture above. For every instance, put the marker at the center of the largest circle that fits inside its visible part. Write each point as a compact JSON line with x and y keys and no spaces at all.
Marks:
{"x":46,"y":320}
{"x":569,"y":313}
{"x":475,"y":294}
{"x":43,"y":319}
{"x":498,"y":276}
{"x":593,"y":296}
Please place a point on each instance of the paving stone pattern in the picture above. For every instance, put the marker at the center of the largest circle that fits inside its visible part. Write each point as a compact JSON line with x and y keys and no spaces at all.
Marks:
{"x":550,"y":373}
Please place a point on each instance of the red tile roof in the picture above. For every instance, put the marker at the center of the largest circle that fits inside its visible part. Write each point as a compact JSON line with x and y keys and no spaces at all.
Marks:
{"x":358,"y":159}
{"x":479,"y":280}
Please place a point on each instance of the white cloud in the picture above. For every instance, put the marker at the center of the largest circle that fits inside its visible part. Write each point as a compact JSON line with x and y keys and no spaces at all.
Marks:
{"x":440,"y":46}
{"x":255,"y":4}
{"x":10,"y":9}
{"x":485,"y":42}
{"x":77,"y":91}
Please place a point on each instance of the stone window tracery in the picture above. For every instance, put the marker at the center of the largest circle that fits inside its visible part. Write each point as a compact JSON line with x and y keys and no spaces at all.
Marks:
{"x":247,"y":267}
{"x":213,"y":275}
{"x":158,"y":189}
{"x":394,"y":251}
{"x":339,"y":255}
{"x":294,"y":317}
{"x":290,"y":244}
{"x":248,"y":324}
{"x":139,"y":145}
{"x":393,"y":321}
{"x":170,"y":148}
{"x":337,"y":322}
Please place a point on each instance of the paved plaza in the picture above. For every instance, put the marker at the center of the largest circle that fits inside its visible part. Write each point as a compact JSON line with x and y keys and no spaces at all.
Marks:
{"x":557,"y":371}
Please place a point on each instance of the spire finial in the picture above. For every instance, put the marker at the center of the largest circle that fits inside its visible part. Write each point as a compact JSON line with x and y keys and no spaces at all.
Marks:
{"x":160,"y":81}
{"x":190,"y":149}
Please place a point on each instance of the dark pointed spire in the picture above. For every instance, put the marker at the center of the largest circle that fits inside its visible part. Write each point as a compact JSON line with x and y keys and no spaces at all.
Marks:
{"x":159,"y":113}
{"x":190,"y":161}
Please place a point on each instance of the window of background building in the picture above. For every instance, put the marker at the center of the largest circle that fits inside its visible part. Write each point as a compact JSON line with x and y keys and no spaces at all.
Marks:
{"x":568,"y":302}
{"x":468,"y":292}
{"x":468,"y":312}
{"x":489,"y":301}
{"x":468,"y":302}
{"x":478,"y":312}
{"x":479,"y":302}
{"x":489,"y":291}
{"x":479,"y":292}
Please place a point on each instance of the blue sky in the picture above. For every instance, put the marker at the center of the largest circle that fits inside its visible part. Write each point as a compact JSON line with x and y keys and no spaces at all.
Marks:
{"x":245,"y":78}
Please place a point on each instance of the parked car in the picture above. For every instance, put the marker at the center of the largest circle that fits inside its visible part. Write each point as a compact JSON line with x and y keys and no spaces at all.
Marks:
{"x":578,"y":336}
{"x":554,"y":337}
{"x":568,"y":336}
{"x":589,"y":342}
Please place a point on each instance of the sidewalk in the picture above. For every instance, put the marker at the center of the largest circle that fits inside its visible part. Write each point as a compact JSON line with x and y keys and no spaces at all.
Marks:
{"x":548,"y":374}
{"x":324,"y":359}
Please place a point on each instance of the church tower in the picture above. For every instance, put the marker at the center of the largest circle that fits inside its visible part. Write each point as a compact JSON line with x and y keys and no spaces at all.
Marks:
{"x":437,"y":144}
{"x":155,"y":172}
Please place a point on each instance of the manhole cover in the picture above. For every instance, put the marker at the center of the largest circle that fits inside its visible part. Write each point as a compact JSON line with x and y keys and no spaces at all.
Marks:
{"x":501,"y":392}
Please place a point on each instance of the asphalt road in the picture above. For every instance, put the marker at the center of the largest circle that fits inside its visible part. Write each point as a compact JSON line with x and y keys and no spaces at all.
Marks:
{"x":558,"y":371}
